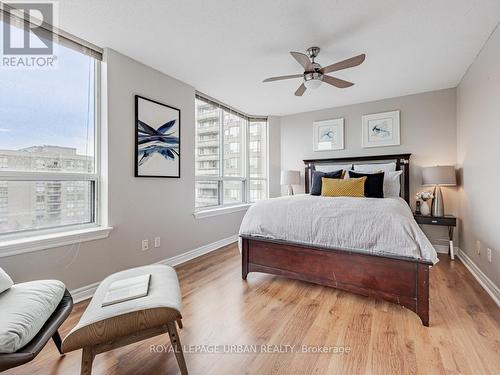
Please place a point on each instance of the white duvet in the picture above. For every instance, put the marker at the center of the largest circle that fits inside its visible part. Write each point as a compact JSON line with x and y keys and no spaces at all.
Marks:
{"x":382,"y":226}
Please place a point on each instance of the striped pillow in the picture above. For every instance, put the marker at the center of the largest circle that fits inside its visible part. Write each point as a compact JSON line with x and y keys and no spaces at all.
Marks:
{"x":352,"y":187}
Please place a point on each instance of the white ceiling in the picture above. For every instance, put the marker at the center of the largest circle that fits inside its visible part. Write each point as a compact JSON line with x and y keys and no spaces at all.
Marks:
{"x":225,"y":48}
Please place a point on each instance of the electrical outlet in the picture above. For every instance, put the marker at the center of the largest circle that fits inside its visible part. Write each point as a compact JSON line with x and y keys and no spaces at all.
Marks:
{"x":145,"y":245}
{"x":157,"y":242}
{"x":478,"y":247}
{"x":488,"y":252}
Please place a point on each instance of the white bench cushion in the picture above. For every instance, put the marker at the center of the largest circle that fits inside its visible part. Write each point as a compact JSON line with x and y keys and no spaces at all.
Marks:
{"x":24,"y":309}
{"x":163,"y":291}
{"x":100,"y":324}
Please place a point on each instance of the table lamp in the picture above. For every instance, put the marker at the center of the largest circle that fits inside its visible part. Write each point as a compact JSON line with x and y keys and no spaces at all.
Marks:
{"x":290,"y":178}
{"x":442,"y":175}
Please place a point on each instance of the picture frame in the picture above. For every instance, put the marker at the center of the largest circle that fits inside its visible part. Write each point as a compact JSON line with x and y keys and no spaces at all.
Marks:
{"x":381,"y":129}
{"x":328,"y":135}
{"x":157,"y":139}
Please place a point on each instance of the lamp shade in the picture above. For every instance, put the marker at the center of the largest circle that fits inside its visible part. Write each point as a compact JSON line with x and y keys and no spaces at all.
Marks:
{"x":290,"y":178}
{"x":439,"y":175}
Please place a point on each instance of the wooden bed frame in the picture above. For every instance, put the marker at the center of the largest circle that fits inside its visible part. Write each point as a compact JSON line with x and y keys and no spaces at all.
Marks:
{"x":395,"y":279}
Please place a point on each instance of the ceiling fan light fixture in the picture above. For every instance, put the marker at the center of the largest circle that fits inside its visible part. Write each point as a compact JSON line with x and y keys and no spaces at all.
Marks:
{"x":314,"y":73}
{"x":312,"y":84}
{"x":312,"y":80}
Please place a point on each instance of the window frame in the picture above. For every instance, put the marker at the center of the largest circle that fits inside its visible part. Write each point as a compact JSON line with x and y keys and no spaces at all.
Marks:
{"x":9,"y":238}
{"x":245,"y":157}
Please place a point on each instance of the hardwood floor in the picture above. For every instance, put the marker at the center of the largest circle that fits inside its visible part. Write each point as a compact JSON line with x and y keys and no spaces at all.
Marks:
{"x":221,"y":309}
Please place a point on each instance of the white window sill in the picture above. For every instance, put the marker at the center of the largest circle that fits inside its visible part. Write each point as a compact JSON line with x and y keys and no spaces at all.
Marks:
{"x":30,"y":244}
{"x":200,"y":214}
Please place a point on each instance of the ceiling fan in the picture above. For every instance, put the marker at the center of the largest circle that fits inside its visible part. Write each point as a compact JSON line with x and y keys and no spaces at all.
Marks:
{"x":314,"y":74}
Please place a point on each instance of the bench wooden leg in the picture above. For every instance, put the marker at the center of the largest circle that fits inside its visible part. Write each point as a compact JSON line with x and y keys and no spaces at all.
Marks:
{"x":87,"y":359}
{"x":176,"y":344}
{"x":57,"y":340}
{"x":179,"y":323}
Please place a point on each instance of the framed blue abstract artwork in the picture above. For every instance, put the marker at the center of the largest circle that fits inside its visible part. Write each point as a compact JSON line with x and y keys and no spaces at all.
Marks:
{"x":328,"y":135}
{"x":381,"y":129}
{"x":157,"y":139}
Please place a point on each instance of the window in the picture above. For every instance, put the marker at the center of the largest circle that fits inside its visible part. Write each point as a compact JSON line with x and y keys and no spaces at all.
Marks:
{"x":257,"y":154}
{"x":230,"y":156}
{"x":49,"y":175}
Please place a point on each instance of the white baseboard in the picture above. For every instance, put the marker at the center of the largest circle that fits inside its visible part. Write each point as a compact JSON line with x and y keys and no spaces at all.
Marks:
{"x":443,"y":249}
{"x":83,"y":293}
{"x":184,"y":257}
{"x":88,"y":291}
{"x":481,"y":278}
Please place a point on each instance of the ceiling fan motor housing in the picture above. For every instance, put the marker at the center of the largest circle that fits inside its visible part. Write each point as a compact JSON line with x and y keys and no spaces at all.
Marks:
{"x":308,"y":76}
{"x":313,"y":52}
{"x":313,"y":67}
{"x":313,"y":79}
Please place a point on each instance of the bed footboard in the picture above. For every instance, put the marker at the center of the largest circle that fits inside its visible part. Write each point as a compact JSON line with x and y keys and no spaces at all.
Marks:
{"x":401,"y":281}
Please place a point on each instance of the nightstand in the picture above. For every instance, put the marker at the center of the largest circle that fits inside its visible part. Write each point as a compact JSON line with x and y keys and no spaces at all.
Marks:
{"x":448,"y":221}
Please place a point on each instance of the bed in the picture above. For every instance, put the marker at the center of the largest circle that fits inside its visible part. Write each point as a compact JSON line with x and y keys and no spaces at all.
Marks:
{"x":368,"y":246}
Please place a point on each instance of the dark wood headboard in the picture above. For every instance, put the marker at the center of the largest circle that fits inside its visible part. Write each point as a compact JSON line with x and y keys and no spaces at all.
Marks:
{"x":402,"y":163}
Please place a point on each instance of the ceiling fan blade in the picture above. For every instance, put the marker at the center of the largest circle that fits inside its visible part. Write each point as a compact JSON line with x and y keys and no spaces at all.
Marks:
{"x":302,"y":59}
{"x":300,"y":90}
{"x":349,"y":63}
{"x":279,"y":78}
{"x":340,"y":83}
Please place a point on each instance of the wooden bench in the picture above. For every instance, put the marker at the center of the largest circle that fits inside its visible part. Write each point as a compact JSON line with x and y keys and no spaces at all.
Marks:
{"x":101,"y":329}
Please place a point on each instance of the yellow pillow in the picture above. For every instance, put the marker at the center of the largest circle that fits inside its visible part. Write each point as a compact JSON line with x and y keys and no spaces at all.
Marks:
{"x":351,"y":187}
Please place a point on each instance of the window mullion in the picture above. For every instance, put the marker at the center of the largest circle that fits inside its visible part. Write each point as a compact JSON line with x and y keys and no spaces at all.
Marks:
{"x":46,"y":176}
{"x":97,"y":209}
{"x":267,"y":158}
{"x":221,"y":193}
{"x":221,"y":156}
{"x":247,"y":163}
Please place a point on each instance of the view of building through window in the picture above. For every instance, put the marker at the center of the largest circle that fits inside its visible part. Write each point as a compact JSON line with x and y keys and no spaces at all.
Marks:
{"x":48,"y":176}
{"x":231,"y":156}
{"x":26,"y":205}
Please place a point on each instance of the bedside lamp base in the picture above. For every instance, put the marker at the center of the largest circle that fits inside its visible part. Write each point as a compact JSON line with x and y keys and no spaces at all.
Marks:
{"x":437,"y":202}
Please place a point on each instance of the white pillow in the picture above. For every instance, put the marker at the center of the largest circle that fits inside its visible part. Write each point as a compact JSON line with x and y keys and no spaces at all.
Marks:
{"x":5,"y":281}
{"x":371,"y":168}
{"x":392,"y":186}
{"x":332,"y":167}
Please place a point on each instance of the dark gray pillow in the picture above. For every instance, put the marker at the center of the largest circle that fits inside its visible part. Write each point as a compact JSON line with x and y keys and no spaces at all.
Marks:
{"x":316,"y":180}
{"x":374,"y":183}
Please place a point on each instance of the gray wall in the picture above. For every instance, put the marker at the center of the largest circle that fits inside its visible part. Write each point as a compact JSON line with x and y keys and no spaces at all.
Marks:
{"x":478,"y":115}
{"x":139,"y":208}
{"x":428,"y":131}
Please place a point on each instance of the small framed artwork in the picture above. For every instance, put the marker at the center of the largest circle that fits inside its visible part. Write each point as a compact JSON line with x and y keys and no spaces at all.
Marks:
{"x":157,"y":139}
{"x":328,"y":135}
{"x":381,"y":129}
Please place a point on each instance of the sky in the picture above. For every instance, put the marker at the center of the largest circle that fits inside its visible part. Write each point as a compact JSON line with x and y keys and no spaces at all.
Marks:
{"x":48,"y":106}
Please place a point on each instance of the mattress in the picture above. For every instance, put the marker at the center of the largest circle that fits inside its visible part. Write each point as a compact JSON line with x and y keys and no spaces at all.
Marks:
{"x":376,"y":226}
